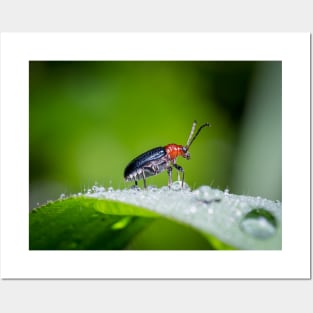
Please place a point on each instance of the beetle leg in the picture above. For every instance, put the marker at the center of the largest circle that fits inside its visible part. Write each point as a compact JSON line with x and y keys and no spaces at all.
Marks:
{"x":144,"y":179}
{"x":180,"y":169}
{"x":174,"y":164}
{"x":169,"y":172}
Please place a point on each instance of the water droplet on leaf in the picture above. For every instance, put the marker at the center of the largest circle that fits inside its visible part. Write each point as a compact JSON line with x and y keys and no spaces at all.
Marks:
{"x":176,"y":185}
{"x":134,"y":187}
{"x":259,"y":223}
{"x":152,"y":188}
{"x":205,"y":195}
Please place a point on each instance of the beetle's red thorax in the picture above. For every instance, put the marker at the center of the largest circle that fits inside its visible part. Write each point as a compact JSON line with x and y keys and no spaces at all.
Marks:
{"x":173,"y":150}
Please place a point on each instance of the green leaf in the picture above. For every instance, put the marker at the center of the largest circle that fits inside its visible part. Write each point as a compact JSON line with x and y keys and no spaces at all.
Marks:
{"x":154,"y":219}
{"x":79,"y":223}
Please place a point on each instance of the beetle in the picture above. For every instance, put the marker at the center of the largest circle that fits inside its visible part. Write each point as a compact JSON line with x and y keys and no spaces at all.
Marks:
{"x":160,"y":159}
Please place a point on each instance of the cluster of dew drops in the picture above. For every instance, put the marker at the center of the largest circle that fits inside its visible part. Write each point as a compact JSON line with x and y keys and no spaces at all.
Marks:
{"x":203,"y":198}
{"x":205,"y":193}
{"x":177,"y":195}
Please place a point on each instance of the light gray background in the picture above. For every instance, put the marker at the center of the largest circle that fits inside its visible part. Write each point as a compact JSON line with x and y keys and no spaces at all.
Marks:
{"x":156,"y":296}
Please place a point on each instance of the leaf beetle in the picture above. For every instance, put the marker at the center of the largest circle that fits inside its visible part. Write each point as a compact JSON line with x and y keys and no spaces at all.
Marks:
{"x":160,"y":159}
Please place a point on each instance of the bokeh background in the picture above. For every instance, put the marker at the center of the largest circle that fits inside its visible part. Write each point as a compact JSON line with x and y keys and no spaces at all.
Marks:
{"x":89,"y":119}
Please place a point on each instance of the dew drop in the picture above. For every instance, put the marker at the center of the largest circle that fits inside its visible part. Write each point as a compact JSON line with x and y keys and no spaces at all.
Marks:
{"x":134,"y":188}
{"x":152,"y":188}
{"x":164,"y":188}
{"x":259,"y":223}
{"x":97,"y":189}
{"x":176,"y":186}
{"x":186,"y":187}
{"x":205,"y":195}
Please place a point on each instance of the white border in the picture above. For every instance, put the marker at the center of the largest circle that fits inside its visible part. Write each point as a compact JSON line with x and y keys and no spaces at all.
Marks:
{"x":294,"y":259}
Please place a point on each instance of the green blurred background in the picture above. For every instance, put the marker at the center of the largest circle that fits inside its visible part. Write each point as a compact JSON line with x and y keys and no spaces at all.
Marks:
{"x":89,"y":119}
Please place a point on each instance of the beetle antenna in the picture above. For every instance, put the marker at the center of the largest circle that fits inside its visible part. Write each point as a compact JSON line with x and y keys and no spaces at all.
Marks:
{"x":190,"y":141}
{"x":191,"y":133}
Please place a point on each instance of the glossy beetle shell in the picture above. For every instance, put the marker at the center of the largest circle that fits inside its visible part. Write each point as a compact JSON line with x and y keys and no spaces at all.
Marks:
{"x":156,"y":156}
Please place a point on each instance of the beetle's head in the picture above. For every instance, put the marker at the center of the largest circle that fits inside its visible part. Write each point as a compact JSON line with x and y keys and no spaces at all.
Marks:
{"x":186,"y":153}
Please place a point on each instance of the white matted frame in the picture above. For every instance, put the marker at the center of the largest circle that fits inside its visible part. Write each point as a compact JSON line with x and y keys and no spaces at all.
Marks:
{"x":292,"y":262}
